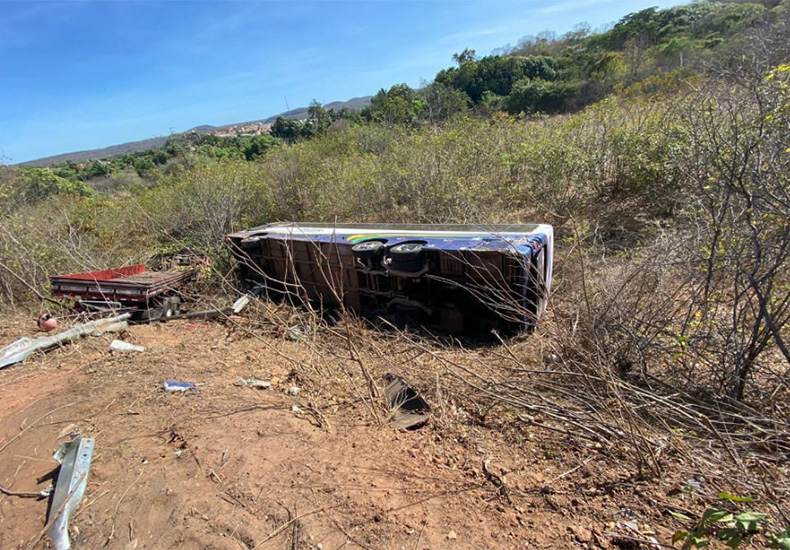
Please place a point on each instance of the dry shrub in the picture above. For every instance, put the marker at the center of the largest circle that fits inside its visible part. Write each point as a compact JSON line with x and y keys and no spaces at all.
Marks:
{"x":569,"y":381}
{"x":201,"y":206}
{"x":669,"y":318}
{"x":61,"y":235}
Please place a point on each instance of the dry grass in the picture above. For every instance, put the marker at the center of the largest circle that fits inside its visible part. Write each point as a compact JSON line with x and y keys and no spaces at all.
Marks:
{"x":658,"y":304}
{"x":601,"y":372}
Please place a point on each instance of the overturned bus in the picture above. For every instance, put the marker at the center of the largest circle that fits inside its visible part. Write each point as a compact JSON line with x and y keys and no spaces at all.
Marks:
{"x":453,"y":278}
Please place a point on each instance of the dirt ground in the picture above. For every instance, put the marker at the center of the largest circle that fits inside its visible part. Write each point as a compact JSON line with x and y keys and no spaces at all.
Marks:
{"x":234,"y":467}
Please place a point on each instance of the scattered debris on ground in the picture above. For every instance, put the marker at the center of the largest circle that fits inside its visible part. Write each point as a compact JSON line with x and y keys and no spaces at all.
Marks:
{"x":236,"y":465}
{"x":176,"y":386}
{"x":409,"y":409}
{"x":120,"y":345}
{"x":253,"y":382}
{"x":74,"y":458}
{"x":25,"y":347}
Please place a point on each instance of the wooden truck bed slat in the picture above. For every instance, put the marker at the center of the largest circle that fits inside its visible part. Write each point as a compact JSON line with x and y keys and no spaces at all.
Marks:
{"x":132,"y":283}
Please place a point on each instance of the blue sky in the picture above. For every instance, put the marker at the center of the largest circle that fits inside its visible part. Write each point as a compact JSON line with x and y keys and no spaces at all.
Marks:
{"x":83,"y":74}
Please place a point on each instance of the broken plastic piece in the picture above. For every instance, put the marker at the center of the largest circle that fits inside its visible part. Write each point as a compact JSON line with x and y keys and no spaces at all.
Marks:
{"x":409,"y":409}
{"x":25,"y":347}
{"x":120,"y":345}
{"x":47,"y":322}
{"x":241,"y":303}
{"x":175,"y":386}
{"x":75,"y":460}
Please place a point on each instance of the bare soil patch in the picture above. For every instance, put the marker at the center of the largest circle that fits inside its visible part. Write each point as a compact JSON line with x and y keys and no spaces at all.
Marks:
{"x":235,"y":467}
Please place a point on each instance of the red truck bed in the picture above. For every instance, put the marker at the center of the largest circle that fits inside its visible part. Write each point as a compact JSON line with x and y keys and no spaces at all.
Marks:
{"x":125,"y":284}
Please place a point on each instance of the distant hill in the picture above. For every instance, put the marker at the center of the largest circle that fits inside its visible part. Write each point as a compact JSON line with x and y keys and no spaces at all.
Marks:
{"x":81,"y":156}
{"x":354,"y":104}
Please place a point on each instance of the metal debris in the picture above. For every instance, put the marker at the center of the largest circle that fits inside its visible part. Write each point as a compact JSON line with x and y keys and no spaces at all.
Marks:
{"x":75,"y":460}
{"x":409,"y":409}
{"x":152,"y":294}
{"x":207,"y":314}
{"x":25,"y":347}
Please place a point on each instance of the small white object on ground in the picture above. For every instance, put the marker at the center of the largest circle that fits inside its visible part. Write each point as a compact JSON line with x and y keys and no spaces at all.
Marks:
{"x":120,"y":345}
{"x":252,"y":382}
{"x":176,"y":386}
{"x":297,"y":334}
{"x":241,"y":303}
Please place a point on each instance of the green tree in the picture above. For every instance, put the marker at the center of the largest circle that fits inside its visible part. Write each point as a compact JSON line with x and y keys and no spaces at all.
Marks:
{"x":318,"y":120}
{"x":496,"y":74}
{"x":32,"y":185}
{"x":287,"y":129}
{"x":465,"y":56}
{"x":398,"y":105}
{"x":259,"y":145}
{"x":97,"y":168}
{"x":442,"y":102}
{"x":537,"y":95}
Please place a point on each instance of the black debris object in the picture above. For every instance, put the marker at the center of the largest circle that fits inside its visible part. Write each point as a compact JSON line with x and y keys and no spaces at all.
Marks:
{"x":409,"y":410}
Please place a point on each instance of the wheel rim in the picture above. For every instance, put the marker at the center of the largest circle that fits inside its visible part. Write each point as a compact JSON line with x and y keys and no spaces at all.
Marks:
{"x":408,"y":247}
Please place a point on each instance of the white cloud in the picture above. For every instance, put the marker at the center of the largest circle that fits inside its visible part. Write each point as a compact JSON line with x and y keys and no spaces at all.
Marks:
{"x":571,"y":6}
